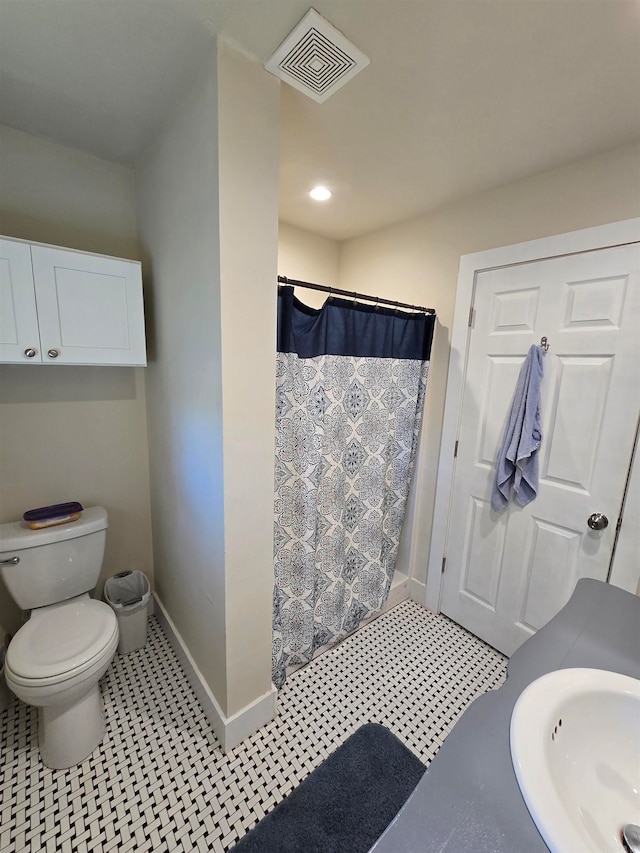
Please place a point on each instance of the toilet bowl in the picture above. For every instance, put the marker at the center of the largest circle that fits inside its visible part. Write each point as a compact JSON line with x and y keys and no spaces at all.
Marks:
{"x":58,"y":656}
{"x":55,"y":662}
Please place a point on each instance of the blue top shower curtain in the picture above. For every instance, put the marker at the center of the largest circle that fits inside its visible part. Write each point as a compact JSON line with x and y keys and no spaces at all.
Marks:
{"x":350,"y":387}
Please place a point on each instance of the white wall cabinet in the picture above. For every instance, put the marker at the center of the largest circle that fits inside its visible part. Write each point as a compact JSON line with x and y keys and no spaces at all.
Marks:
{"x":59,"y":306}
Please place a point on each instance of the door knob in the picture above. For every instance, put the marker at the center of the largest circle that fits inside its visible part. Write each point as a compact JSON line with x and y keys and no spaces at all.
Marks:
{"x":30,"y":352}
{"x":53,"y":353}
{"x":598,"y":521}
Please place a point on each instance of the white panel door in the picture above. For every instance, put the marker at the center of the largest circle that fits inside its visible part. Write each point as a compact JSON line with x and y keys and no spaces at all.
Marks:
{"x":90,"y":308}
{"x":508,"y":573}
{"x":19,"y":335}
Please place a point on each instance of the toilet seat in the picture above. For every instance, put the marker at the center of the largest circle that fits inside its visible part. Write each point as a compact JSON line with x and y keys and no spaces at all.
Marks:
{"x":61,"y":641}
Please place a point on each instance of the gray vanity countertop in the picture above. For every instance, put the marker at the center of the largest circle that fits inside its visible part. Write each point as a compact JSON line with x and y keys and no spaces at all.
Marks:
{"x":468,"y":801}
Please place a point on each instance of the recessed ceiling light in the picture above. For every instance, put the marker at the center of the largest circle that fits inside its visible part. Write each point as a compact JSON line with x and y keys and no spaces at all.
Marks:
{"x":320,"y":193}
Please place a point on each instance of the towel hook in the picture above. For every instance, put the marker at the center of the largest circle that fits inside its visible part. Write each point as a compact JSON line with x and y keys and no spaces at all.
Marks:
{"x":544,"y":343}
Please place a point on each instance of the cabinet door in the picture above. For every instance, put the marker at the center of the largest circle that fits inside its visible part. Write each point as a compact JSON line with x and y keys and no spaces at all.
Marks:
{"x":90,"y":308}
{"x":18,"y":319}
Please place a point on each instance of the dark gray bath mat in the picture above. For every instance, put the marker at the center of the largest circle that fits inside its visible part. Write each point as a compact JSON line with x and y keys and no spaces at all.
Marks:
{"x":346,"y":803}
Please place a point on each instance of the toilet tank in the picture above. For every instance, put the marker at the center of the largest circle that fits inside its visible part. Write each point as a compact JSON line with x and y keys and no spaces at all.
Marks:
{"x":54,"y":563}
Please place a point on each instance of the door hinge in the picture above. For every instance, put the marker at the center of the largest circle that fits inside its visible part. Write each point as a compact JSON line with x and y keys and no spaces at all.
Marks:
{"x":471,"y":315}
{"x":444,"y":563}
{"x":455,"y":449}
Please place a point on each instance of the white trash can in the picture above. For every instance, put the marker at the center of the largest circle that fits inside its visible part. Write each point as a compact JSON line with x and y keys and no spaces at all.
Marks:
{"x":128,"y":594}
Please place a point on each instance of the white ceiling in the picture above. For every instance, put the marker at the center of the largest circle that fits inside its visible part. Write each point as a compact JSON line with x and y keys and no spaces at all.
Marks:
{"x":460,"y":95}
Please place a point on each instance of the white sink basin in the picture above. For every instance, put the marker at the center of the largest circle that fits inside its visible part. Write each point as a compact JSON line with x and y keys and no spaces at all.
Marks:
{"x":575,"y":747}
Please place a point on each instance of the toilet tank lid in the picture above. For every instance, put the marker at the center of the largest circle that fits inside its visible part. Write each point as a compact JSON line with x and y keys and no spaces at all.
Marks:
{"x":17,"y":535}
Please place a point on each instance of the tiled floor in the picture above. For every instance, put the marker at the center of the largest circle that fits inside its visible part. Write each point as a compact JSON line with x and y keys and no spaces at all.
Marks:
{"x":159,"y":782}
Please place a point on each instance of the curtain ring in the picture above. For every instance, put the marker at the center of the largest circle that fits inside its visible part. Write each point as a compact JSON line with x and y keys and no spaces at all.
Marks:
{"x":355,"y":297}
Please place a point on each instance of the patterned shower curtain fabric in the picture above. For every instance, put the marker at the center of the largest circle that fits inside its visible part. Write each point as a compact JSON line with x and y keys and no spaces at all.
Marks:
{"x":350,"y":387}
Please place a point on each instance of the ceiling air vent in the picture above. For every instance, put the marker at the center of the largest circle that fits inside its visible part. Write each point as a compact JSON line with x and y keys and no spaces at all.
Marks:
{"x":316,"y":58}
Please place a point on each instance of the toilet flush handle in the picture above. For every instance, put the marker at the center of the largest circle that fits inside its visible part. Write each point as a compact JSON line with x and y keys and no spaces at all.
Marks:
{"x":12,"y":561}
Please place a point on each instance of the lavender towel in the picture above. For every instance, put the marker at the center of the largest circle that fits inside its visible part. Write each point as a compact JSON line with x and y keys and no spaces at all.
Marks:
{"x":517,"y":461}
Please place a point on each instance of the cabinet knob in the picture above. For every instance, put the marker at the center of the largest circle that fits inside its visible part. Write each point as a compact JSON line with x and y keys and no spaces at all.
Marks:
{"x":53,"y":353}
{"x":30,"y":352}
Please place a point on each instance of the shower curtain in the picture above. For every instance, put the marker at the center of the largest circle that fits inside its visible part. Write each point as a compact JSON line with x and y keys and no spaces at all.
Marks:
{"x":350,"y":386}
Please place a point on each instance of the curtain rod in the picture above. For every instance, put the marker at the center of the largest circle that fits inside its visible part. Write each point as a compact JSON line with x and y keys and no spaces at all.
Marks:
{"x":336,"y":291}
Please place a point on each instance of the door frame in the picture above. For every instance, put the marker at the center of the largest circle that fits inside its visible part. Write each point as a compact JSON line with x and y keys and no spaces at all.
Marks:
{"x":585,"y":240}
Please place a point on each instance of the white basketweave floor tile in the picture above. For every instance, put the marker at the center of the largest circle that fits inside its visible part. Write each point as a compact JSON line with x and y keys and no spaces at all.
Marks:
{"x":159,"y":781}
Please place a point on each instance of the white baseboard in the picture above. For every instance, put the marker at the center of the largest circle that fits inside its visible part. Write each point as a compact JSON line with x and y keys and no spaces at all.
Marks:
{"x":418,"y":591}
{"x":230,"y":731}
{"x":399,"y":592}
{"x":249,"y":719}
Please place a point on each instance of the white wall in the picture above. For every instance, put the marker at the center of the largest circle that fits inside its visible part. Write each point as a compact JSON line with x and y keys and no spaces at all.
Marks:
{"x":417,"y":262}
{"x":208,"y":225}
{"x":308,"y":257}
{"x":177,"y":183}
{"x":249,"y":138}
{"x":66,"y":432}
{"x":625,"y":571}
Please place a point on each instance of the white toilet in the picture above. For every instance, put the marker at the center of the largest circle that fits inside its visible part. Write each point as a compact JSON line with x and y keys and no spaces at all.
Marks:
{"x":57,"y":658}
